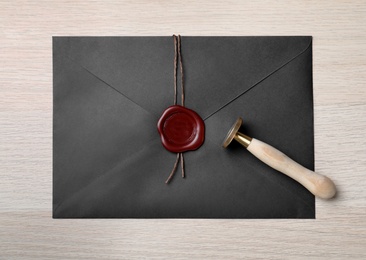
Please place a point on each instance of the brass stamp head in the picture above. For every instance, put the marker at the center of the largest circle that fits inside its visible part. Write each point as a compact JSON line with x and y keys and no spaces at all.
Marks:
{"x":235,"y":134}
{"x":232,"y":132}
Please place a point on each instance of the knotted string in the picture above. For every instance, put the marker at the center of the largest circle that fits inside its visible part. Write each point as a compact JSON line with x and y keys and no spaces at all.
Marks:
{"x":177,"y":56}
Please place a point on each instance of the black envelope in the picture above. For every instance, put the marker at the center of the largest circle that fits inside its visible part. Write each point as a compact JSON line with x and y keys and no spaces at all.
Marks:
{"x":109,"y":92}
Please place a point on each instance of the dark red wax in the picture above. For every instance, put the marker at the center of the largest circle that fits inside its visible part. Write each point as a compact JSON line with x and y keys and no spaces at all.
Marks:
{"x":181,"y":129}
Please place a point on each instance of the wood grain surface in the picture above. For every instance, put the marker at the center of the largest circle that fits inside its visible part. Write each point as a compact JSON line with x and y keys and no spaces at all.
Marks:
{"x":27,"y":230}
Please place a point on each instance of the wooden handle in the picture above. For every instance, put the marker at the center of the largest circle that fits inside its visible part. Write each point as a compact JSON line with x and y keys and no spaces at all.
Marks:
{"x":319,"y":185}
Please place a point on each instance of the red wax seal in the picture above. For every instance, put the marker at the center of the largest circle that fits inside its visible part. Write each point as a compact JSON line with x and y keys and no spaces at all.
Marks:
{"x":181,"y":129}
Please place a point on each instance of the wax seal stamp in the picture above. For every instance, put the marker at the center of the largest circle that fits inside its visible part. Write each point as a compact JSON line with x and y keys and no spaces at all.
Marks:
{"x":319,"y":185}
{"x":181,"y":129}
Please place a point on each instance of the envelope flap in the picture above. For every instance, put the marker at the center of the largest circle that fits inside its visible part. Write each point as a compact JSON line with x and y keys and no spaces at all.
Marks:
{"x":142,"y":67}
{"x":243,"y":191}
{"x":93,"y":127}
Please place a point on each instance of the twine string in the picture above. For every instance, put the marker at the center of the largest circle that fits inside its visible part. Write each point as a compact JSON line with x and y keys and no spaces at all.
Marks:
{"x":181,"y":68}
{"x":182,"y":164}
{"x":177,"y":56}
{"x":175,"y":68}
{"x":174,"y":168}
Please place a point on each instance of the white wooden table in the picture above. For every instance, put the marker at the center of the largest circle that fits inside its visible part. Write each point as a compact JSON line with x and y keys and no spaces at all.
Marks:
{"x":27,"y":230}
